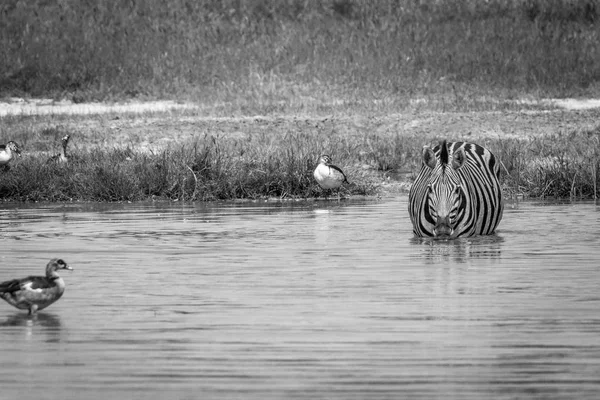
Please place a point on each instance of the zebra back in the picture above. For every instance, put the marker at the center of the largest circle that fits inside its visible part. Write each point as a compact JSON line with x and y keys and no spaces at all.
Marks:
{"x":457,"y":166}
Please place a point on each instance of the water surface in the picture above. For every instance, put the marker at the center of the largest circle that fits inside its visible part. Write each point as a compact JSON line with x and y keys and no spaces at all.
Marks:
{"x":301,"y":300}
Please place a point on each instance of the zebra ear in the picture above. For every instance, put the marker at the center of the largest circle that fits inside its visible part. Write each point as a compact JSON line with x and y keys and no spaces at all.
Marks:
{"x":429,"y":157}
{"x":458,"y":158}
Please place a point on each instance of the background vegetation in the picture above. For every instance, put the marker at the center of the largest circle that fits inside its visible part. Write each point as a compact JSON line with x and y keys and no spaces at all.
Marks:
{"x":293,"y":57}
{"x":282,"y":55}
{"x":205,"y":167}
{"x":127,"y":159}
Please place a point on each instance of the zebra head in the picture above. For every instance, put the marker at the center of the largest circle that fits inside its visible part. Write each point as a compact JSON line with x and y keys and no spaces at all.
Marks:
{"x":446,"y":198}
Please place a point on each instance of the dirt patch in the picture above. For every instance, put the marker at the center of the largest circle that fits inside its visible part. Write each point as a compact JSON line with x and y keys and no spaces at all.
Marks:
{"x":18,"y":106}
{"x":23,"y":107}
{"x":576,"y":104}
{"x":154,"y":125}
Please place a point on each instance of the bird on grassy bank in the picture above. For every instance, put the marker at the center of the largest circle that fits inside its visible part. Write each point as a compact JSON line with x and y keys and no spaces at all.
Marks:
{"x":327,"y":175}
{"x":8,"y":152}
{"x":35,"y":293}
{"x":61,"y":157}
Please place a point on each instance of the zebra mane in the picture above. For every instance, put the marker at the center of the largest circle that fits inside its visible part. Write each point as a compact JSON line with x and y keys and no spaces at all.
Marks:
{"x":443,"y":153}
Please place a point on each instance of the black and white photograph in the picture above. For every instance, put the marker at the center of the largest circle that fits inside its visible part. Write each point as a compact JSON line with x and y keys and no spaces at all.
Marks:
{"x":299,"y":199}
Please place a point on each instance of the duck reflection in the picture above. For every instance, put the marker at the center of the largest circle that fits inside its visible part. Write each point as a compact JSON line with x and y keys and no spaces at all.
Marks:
{"x":41,"y":323}
{"x":42,"y":319}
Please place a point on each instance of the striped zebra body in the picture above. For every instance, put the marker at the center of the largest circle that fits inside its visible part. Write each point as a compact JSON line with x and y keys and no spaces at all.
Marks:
{"x":457,"y":193}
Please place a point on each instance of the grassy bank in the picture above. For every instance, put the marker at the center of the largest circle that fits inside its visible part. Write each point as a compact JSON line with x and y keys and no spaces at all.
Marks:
{"x":560,"y":166}
{"x":189,"y":158}
{"x":204,"y":167}
{"x":262,"y":56}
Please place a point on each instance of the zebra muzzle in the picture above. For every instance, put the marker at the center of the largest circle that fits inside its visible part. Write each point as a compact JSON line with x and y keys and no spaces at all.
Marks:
{"x":442,"y":228}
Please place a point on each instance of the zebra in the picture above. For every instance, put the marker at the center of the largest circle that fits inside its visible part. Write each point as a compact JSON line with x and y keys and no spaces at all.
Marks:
{"x":457,"y":193}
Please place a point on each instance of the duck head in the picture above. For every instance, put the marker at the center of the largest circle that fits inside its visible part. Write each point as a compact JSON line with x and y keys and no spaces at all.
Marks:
{"x":56,"y":264}
{"x":13,"y":146}
{"x":325,"y":159}
{"x":65,"y":140}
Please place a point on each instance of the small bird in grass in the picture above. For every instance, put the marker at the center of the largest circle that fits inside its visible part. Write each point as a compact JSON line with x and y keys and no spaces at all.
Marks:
{"x":61,"y":157}
{"x":35,"y":293}
{"x":7,"y":153}
{"x":327,"y":175}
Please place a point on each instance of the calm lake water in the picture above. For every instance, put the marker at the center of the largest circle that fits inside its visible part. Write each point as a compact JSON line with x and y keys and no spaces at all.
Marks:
{"x":305,"y":300}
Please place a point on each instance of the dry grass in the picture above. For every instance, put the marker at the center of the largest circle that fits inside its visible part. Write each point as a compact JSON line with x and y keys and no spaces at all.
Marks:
{"x":186,"y":157}
{"x":352,"y":66}
{"x":274,"y":56}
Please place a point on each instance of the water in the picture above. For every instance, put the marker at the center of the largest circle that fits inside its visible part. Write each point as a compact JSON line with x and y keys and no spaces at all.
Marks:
{"x":302,"y":300}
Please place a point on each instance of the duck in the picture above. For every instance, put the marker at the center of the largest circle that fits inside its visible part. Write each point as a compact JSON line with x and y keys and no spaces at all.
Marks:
{"x":61,"y":157}
{"x":35,"y":293}
{"x":7,"y":153}
{"x":327,"y":175}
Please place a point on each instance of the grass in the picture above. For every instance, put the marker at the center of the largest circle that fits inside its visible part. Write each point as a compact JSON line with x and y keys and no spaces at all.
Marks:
{"x":274,"y":158}
{"x":351,"y":66}
{"x":282,"y":56}
{"x":563,"y":165}
{"x":206,"y":167}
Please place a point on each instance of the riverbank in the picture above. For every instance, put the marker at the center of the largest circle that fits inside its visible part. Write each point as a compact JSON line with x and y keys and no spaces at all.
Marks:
{"x":182,"y":153}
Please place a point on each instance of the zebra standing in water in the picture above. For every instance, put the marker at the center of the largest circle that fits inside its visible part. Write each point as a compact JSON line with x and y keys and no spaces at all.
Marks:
{"x":456,"y":193}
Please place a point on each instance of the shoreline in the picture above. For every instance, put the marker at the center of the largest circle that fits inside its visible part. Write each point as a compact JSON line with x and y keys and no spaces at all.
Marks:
{"x":181,"y":154}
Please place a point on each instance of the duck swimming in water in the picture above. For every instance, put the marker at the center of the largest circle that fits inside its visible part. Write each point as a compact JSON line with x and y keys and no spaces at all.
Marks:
{"x":35,"y":293}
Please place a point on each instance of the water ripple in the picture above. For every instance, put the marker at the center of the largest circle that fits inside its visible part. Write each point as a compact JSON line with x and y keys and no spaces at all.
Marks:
{"x":328,"y":300}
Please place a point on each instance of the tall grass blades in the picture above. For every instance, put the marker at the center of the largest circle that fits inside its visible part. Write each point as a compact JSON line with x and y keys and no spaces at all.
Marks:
{"x":204,"y":168}
{"x":564,"y":165}
{"x":264,"y":164}
{"x":277,"y":55}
